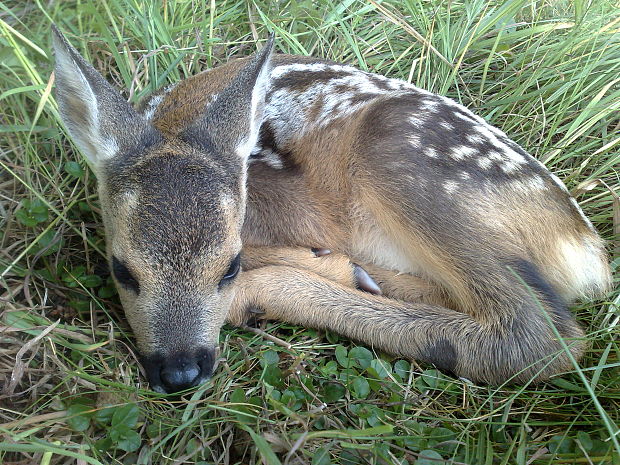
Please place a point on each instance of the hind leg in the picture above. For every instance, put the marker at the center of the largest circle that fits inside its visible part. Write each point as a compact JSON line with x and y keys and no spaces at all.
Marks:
{"x":339,"y":268}
{"x":522,"y":349}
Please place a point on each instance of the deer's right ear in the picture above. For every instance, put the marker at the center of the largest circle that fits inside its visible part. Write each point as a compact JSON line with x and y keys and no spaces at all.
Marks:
{"x":232,"y":120}
{"x":100,"y":121}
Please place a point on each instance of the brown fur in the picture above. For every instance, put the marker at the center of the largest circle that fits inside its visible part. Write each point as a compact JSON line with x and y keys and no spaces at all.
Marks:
{"x":476,"y":270}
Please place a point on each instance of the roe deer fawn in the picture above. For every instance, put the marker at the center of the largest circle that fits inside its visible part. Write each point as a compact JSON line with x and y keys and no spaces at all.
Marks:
{"x":449,"y":243}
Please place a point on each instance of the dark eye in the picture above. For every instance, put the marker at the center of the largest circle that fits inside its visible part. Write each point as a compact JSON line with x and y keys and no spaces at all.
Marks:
{"x":124,"y":276}
{"x":233,"y":270}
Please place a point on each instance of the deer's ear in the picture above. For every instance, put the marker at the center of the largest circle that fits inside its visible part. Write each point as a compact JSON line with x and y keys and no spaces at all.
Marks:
{"x":230,"y":123}
{"x":102,"y":124}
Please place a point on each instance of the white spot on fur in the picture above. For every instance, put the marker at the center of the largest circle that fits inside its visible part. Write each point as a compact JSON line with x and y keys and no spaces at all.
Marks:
{"x":429,"y":105}
{"x":155,"y":101}
{"x":509,"y":158}
{"x":287,"y":110}
{"x":451,"y":187}
{"x":495,"y":156}
{"x":461,"y":152}
{"x":484,"y":162}
{"x":396,"y":85}
{"x":280,"y":71}
{"x":514,"y":156}
{"x":416,"y":121}
{"x":430,"y":152}
{"x":474,"y":139}
{"x":357,"y":83}
{"x":509,"y":167}
{"x":447,"y":126}
{"x":414,"y":140}
{"x":464,"y":175}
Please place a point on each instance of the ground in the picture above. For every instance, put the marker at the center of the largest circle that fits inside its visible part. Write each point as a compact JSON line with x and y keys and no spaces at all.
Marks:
{"x":547,"y":73}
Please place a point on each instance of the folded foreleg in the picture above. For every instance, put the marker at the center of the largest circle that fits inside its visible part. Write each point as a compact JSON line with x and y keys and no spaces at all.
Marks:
{"x":518,"y":345}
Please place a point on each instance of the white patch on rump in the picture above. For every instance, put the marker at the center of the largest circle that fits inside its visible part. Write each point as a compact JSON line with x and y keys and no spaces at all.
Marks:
{"x":585,"y":264}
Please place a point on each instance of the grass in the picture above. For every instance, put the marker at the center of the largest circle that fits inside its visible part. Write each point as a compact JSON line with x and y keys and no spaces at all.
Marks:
{"x":547,"y":73}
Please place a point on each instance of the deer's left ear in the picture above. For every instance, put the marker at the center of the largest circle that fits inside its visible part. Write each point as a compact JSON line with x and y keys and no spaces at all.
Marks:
{"x":231,"y":121}
{"x":102,"y":124}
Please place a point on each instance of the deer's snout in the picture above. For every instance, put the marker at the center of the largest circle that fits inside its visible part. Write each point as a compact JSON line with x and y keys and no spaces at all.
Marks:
{"x":179,"y":371}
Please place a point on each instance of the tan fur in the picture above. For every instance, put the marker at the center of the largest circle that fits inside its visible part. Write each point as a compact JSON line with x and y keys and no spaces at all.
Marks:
{"x":186,"y":101}
{"x":476,"y":265}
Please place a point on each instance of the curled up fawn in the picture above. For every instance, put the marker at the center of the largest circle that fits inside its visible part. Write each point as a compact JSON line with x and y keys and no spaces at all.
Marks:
{"x":449,"y":243}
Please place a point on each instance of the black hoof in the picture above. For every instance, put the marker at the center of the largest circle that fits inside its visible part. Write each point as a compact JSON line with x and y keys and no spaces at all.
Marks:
{"x":320,"y":252}
{"x":254,"y":318}
{"x":364,"y":282}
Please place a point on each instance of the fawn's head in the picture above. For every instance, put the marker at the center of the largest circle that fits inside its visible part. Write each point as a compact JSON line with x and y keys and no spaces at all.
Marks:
{"x":173,"y":207}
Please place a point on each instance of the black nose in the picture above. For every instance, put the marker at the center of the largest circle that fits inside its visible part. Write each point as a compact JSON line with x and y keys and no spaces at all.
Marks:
{"x":180,"y":374}
{"x":179,"y":371}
